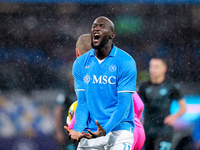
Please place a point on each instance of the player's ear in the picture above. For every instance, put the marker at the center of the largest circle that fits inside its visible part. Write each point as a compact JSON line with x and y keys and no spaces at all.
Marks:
{"x":77,"y":53}
{"x":165,"y":69}
{"x":112,"y":35}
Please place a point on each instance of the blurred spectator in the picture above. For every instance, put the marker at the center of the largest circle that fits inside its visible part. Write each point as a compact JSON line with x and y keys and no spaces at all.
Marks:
{"x":20,"y":115}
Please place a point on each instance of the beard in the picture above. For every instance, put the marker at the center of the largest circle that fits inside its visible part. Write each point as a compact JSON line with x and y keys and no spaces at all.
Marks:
{"x":102,"y":43}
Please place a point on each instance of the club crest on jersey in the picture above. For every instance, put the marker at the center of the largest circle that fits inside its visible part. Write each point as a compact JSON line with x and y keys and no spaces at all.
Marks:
{"x":112,"y":68}
{"x":87,"y":78}
{"x":148,"y":90}
{"x":163,"y":91}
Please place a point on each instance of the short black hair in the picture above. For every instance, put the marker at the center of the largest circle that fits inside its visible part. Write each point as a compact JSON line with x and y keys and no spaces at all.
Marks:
{"x":112,"y":26}
{"x":161,"y":58}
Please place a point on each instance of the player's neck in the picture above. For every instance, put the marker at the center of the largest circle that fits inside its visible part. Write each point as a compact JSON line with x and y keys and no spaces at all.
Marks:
{"x":158,"y":80}
{"x":104,"y":51}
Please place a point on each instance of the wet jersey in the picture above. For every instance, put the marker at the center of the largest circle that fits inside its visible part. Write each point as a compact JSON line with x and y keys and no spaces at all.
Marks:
{"x":102,"y":83}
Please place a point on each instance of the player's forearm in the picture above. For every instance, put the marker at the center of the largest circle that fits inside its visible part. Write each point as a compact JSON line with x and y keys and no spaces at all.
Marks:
{"x":181,"y":110}
{"x":81,"y":118}
{"x":82,"y":112}
{"x":120,"y":111}
{"x":180,"y":113}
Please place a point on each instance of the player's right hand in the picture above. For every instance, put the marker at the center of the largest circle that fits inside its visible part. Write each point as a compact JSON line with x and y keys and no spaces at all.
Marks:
{"x":100,"y":132}
{"x":74,"y":135}
{"x":87,"y":135}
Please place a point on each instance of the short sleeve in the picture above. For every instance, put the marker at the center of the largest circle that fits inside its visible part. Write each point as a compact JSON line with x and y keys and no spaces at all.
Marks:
{"x":176,"y":94}
{"x":127,"y":77}
{"x":77,"y":74}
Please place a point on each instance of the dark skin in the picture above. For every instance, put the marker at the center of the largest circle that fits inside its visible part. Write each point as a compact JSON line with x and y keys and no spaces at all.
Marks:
{"x":102,"y":28}
{"x":100,"y":132}
{"x":105,"y":28}
{"x":77,"y":136}
{"x":73,"y":134}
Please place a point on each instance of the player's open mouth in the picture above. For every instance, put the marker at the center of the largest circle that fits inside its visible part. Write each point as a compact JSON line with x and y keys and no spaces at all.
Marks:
{"x":96,"y":37}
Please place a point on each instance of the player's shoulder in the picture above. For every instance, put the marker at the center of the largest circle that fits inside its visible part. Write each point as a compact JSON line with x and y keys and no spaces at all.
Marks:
{"x":124,"y":59}
{"x":169,"y":81}
{"x":145,"y":84}
{"x":124,"y":55}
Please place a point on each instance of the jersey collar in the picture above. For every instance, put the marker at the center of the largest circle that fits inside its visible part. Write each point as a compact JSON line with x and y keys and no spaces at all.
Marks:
{"x":112,"y":53}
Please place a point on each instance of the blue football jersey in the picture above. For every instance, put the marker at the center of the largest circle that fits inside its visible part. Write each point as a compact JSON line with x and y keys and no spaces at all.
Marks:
{"x":102,"y":82}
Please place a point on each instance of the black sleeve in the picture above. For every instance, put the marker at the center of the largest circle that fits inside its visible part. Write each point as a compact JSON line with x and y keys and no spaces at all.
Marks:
{"x":176,"y":94}
{"x":141,"y":92}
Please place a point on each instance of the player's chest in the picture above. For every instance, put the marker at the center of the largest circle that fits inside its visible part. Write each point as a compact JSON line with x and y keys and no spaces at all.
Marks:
{"x":157,"y":95}
{"x":104,"y":73}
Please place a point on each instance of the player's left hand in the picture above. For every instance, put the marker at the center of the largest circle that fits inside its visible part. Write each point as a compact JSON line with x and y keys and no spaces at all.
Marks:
{"x":100,"y":132}
{"x":170,"y":120}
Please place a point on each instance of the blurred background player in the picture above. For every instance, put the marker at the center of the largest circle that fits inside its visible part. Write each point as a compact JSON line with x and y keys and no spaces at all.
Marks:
{"x":157,"y":95}
{"x":83,"y":45}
